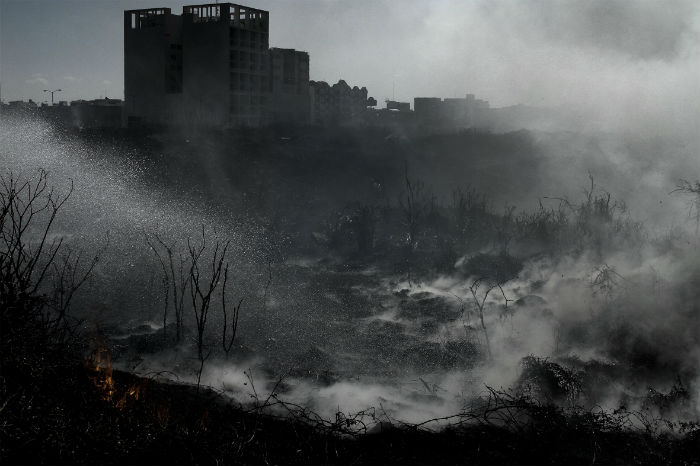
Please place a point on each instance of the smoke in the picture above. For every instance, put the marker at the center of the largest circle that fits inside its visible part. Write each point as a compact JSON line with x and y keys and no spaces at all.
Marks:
{"x":116,"y":200}
{"x":617,"y":65}
{"x":629,"y":321}
{"x":352,"y":337}
{"x":643,"y":30}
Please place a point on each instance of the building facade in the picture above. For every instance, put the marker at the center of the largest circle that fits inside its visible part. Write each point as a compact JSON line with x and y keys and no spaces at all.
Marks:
{"x":289,"y":86}
{"x":398,"y":106}
{"x":463,"y":112}
{"x":212,"y":66}
{"x":338,"y":104}
{"x":207,"y":67}
{"x":152,"y":70}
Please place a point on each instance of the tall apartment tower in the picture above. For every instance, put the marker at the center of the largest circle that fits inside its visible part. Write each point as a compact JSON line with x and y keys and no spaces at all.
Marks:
{"x":208,"y":67}
{"x":225,"y":73}
{"x":289,"y":86}
{"x":152,"y":66}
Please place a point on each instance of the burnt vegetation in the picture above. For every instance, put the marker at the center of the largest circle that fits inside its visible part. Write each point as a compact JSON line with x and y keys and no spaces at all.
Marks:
{"x":61,"y":401}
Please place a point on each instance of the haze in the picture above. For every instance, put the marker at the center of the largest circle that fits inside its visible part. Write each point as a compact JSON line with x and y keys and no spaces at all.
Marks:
{"x":619,"y":64}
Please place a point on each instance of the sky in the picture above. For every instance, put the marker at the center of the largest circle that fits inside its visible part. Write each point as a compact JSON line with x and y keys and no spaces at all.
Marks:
{"x":614,"y":59}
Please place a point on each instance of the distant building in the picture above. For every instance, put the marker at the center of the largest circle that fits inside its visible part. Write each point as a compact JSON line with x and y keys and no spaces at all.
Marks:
{"x":398,"y":106}
{"x":60,"y":114}
{"x":225,"y":59}
{"x":212,"y":67}
{"x":152,"y":66}
{"x":338,"y":104}
{"x":396,"y":115}
{"x":321,"y":103}
{"x":19,"y":108}
{"x":208,"y":67}
{"x":428,"y":108}
{"x":289,"y":86}
{"x":98,"y":113}
{"x":22,"y":105}
{"x":451,"y":112}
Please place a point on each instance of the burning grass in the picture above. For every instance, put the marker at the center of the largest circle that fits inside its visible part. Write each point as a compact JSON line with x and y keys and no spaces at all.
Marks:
{"x":62,"y":402}
{"x":70,"y":417}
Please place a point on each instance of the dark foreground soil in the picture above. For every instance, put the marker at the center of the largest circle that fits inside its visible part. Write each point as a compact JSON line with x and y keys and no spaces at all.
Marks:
{"x":68,"y":413}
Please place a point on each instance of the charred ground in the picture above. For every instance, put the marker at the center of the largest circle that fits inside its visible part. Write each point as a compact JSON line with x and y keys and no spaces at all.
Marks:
{"x":414,"y":208}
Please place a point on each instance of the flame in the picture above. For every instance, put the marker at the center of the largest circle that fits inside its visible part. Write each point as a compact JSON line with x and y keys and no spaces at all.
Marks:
{"x":203,"y":421}
{"x":100,"y":364}
{"x":133,"y":392}
{"x":163,"y":415}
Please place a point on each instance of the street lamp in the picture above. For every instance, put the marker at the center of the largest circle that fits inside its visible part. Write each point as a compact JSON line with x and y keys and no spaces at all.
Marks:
{"x":52,"y":91}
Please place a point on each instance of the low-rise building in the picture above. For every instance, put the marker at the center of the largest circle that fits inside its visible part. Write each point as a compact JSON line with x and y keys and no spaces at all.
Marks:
{"x":289,"y":86}
{"x":338,"y":104}
{"x":398,"y":106}
{"x":463,"y":112}
{"x":20,"y":106}
{"x":97,"y":113}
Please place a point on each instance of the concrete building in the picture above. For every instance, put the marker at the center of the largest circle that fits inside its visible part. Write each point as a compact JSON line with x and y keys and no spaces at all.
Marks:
{"x":289,"y":79}
{"x":338,"y":104}
{"x":97,"y":113}
{"x":19,"y":108}
{"x":463,"y":112}
{"x":225,"y":49}
{"x":152,"y":66}
{"x":320,"y":102}
{"x":60,"y":114}
{"x":22,"y":105}
{"x":398,"y":106}
{"x":207,"y":67}
{"x":428,"y":108}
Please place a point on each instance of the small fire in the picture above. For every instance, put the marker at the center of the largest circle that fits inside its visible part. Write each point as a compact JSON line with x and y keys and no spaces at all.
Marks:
{"x":133,"y":392}
{"x":163,"y":415}
{"x":203,"y":420}
{"x":100,"y":364}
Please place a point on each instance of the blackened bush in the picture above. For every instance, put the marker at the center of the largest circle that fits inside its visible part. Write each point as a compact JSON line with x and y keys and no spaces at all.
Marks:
{"x":40,"y":352}
{"x":548,"y":381}
{"x":498,"y":268}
